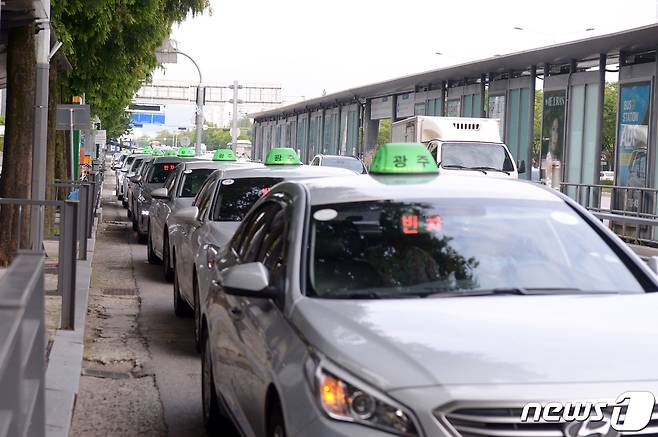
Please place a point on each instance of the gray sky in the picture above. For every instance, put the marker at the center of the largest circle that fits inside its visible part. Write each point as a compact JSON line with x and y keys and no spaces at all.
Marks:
{"x":309,"y":46}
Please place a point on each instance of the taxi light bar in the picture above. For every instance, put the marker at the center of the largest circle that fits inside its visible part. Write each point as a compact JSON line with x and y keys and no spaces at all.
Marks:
{"x":282,"y":156}
{"x":224,"y":155}
{"x":186,"y":152}
{"x":148,"y":149}
{"x":403,"y":158}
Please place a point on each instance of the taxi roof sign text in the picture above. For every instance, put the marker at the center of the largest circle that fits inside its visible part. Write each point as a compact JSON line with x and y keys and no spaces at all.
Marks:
{"x":403,"y":158}
{"x":282,"y":156}
{"x":224,"y":155}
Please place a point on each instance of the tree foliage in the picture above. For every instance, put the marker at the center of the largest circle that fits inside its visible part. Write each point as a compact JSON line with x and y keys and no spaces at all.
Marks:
{"x":111,"y":46}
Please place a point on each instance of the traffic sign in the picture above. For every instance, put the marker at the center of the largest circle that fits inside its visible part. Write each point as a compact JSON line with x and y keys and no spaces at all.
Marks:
{"x":101,"y":137}
{"x":185,"y":141}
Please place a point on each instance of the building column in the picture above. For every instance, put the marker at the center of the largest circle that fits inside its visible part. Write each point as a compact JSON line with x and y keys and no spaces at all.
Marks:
{"x":370,"y":131}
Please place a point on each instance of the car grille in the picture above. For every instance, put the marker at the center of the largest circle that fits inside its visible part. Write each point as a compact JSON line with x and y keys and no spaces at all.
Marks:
{"x":499,"y":421}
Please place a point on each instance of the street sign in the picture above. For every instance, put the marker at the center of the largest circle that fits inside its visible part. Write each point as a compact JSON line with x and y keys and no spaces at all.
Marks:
{"x":81,"y":117}
{"x":185,"y":141}
{"x":101,"y":137}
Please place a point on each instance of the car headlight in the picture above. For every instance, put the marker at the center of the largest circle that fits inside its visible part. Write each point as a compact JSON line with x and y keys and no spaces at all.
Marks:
{"x":353,"y":402}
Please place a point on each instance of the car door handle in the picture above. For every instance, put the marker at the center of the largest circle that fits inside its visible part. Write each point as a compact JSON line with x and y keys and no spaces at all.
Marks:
{"x":235,"y":313}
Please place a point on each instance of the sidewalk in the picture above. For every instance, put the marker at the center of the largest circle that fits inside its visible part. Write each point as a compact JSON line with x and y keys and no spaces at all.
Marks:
{"x":118,"y":394}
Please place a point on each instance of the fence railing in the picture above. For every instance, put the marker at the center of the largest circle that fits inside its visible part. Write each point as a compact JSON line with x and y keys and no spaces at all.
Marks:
{"x":632,"y":212}
{"x":22,"y":352}
{"x":65,"y":213}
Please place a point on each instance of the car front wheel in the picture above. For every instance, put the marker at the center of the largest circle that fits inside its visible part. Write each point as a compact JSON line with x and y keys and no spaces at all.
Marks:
{"x":181,"y":308}
{"x":166,"y":264}
{"x":211,"y":413}
{"x":197,"y":314}
{"x":275,"y":424}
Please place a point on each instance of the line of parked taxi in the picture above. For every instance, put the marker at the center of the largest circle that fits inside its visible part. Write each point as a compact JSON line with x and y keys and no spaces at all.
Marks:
{"x":401,"y":302}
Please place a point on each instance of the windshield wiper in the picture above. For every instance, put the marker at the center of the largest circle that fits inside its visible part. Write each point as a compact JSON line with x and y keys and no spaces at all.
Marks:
{"x":491,"y":169}
{"x":462,"y":167}
{"x":519,"y":291}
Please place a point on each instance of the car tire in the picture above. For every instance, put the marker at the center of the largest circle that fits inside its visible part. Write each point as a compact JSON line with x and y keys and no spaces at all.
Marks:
{"x":213,"y":420}
{"x":166,"y":263}
{"x":181,"y":308}
{"x":150,"y":253}
{"x":123,"y":202}
{"x":129,"y":213}
{"x":275,"y":424}
{"x":197,"y":314}
{"x":141,"y":238}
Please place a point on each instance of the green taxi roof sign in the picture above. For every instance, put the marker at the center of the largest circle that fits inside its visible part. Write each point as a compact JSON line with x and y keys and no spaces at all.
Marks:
{"x":403,"y":158}
{"x":186,"y":152}
{"x":170,"y":152}
{"x":224,"y":155}
{"x":157,"y":152}
{"x":148,"y":149}
{"x":282,"y":156}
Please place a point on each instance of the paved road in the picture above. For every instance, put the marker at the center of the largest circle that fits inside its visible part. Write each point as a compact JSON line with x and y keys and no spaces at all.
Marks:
{"x":141,"y":374}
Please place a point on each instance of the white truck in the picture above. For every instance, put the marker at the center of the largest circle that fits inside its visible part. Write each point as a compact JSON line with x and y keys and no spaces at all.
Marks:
{"x":460,"y":144}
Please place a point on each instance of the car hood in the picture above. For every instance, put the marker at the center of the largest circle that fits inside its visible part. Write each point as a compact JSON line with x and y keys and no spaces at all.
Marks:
{"x":486,"y":340}
{"x":471,"y":173}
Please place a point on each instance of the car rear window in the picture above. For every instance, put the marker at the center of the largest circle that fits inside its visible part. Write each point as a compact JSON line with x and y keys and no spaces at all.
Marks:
{"x":345,"y":162}
{"x":193,"y":181}
{"x":236,"y":196}
{"x":160,"y":171}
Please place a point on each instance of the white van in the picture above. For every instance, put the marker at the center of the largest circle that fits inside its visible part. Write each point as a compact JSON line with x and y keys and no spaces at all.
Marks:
{"x":460,"y":144}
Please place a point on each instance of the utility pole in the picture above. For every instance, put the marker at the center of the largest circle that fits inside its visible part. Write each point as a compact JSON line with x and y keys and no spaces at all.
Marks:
{"x":234,"y":124}
{"x":39,"y":145}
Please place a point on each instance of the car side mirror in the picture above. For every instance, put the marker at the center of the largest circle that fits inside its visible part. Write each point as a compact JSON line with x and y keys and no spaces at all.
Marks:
{"x":247,"y":280}
{"x":187,"y":215}
{"x":520,"y":166}
{"x":135,"y":179}
{"x":160,"y":193}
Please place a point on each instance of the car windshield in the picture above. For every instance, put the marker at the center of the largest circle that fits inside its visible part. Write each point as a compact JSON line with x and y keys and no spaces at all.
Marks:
{"x":343,"y":162}
{"x":236,"y":196}
{"x":193,"y":181}
{"x":160,"y":171}
{"x":430,"y":247}
{"x":475,"y":155}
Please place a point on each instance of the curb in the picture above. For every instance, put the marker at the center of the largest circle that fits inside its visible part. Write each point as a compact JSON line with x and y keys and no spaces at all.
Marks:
{"x":65,"y":359}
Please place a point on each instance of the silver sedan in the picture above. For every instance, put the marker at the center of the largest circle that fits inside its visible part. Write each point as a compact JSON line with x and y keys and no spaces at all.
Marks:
{"x":368,"y":306}
{"x":199,"y":232}
{"x":178,"y":192}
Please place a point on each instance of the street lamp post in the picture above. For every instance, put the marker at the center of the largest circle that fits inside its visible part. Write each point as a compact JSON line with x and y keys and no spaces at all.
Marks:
{"x":200,"y":92}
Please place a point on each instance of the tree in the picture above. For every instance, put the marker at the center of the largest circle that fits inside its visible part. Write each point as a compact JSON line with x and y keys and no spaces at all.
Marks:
{"x":384,"y":135}
{"x":539,"y":102}
{"x":16,"y":177}
{"x":111,"y":45}
{"x":609,"y":134}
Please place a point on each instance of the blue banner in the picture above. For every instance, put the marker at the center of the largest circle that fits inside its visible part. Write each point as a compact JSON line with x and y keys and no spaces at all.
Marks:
{"x":633,"y":130}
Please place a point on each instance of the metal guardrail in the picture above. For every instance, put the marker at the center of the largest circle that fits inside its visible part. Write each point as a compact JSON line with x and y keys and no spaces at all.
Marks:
{"x":67,"y":217}
{"x":22,"y":352}
{"x":632,"y":211}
